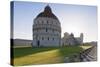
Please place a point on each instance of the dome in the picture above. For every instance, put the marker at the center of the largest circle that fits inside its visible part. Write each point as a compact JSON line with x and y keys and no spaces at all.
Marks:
{"x":47,"y":13}
{"x":46,"y":29}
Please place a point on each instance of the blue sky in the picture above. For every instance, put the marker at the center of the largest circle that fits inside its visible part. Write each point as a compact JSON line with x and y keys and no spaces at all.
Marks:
{"x":73,"y":18}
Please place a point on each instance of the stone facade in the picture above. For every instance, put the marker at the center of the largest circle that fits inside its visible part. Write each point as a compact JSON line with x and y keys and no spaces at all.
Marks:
{"x":46,"y":29}
{"x":69,"y":39}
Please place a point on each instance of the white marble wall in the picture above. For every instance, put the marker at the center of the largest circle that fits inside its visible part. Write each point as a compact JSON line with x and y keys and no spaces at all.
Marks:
{"x":68,"y":40}
{"x":51,"y":37}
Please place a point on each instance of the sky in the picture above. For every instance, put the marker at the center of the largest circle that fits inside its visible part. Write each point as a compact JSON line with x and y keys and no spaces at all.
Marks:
{"x":74,"y":19}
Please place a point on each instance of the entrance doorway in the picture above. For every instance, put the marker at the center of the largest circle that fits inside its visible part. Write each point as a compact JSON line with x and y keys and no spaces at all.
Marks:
{"x":38,"y":43}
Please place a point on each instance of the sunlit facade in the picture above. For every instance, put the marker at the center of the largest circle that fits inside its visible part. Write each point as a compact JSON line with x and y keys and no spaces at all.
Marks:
{"x":46,"y":29}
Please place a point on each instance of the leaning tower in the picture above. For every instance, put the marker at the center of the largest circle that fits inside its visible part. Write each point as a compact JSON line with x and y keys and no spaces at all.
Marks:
{"x":46,"y":29}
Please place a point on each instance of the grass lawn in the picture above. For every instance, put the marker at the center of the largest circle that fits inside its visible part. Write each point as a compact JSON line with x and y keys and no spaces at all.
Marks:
{"x":29,"y":55}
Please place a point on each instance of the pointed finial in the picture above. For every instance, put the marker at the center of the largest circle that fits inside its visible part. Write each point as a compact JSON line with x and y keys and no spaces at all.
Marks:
{"x":47,"y":8}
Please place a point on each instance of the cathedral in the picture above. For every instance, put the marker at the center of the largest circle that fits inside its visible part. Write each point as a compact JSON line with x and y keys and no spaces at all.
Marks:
{"x":47,"y":31}
{"x":69,"y":39}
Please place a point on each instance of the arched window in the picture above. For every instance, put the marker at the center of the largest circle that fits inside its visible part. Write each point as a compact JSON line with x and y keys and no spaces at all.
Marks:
{"x":48,"y":38}
{"x":37,"y":22}
{"x":37,"y":30}
{"x":51,"y":22}
{"x":42,"y":38}
{"x":52,"y":38}
{"x":42,"y":22}
{"x":53,"y":30}
{"x":47,"y":22}
{"x":46,"y":30}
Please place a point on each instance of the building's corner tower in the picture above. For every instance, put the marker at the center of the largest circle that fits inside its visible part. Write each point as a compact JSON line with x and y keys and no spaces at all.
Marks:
{"x":81,"y":37}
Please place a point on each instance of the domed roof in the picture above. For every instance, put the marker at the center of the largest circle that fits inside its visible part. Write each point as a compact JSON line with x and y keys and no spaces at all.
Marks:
{"x":47,"y":13}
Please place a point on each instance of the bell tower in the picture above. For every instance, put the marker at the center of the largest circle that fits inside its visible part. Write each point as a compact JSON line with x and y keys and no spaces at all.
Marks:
{"x":81,"y":37}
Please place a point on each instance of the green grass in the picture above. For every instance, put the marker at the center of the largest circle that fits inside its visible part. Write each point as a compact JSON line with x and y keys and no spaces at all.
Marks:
{"x":29,"y":55}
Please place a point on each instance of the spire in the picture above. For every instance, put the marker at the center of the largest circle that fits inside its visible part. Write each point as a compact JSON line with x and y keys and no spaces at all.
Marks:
{"x":47,"y":9}
{"x":47,"y":13}
{"x":81,"y":36}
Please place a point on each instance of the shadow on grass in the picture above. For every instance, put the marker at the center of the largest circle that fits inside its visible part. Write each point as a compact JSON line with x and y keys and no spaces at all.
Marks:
{"x":69,"y":51}
{"x":62,"y":54}
{"x":20,"y":52}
